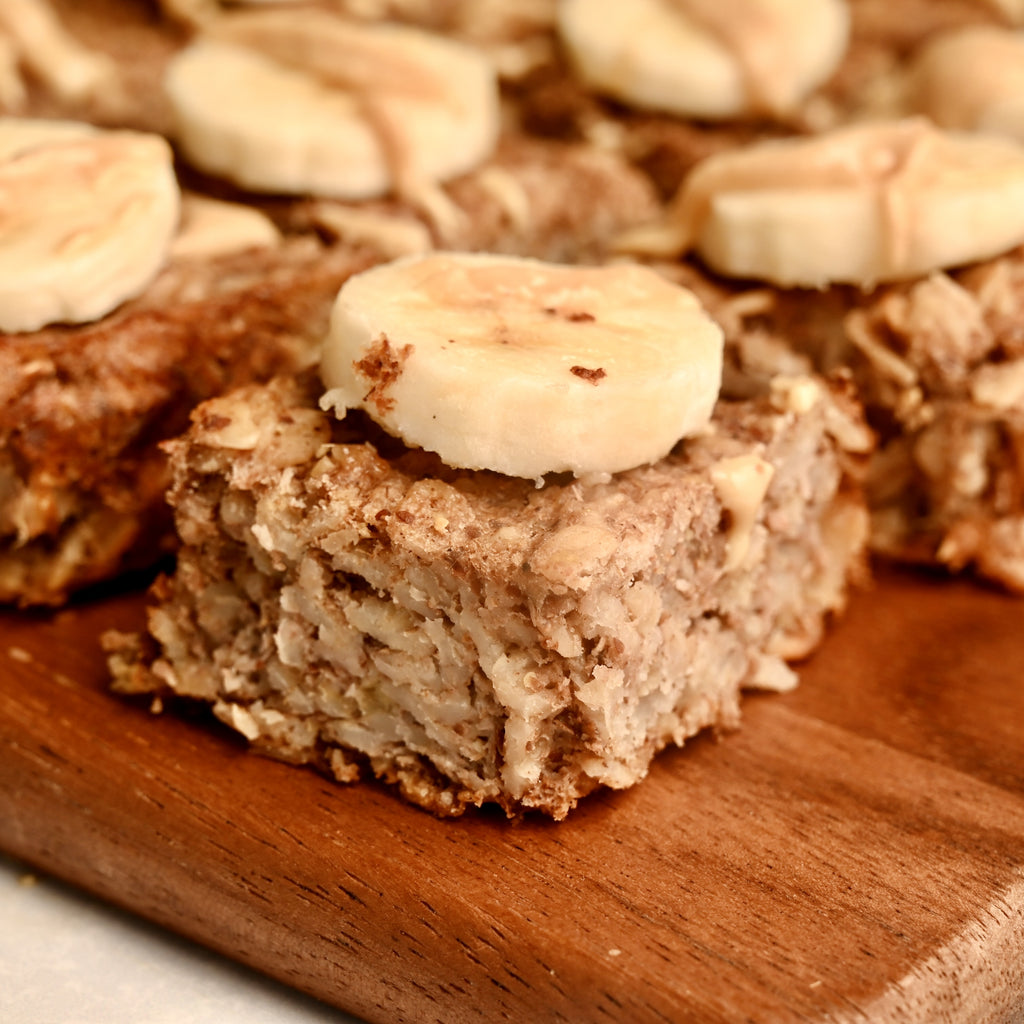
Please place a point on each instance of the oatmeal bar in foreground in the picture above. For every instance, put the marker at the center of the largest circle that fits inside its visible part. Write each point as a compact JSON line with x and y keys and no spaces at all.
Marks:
{"x":349,"y":603}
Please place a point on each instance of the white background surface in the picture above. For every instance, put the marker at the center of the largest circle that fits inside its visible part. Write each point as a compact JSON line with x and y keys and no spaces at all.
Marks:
{"x":66,"y":958}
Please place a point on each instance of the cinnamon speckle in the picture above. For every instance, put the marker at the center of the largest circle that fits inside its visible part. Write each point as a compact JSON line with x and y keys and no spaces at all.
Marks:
{"x":593,"y":376}
{"x":382,"y":366}
{"x":214,"y":422}
{"x":574,"y":316}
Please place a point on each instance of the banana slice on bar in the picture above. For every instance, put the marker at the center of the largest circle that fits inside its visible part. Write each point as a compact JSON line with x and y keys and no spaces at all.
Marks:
{"x":876,"y":202}
{"x":524,"y":367}
{"x":302,"y":101}
{"x":714,"y":59}
{"x":86,"y":219}
{"x":987,"y":98}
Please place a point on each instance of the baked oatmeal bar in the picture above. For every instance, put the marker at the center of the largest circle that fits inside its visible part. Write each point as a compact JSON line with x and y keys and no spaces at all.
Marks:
{"x":939,"y":365}
{"x":100,"y":61}
{"x":346,"y":602}
{"x":935,"y":351}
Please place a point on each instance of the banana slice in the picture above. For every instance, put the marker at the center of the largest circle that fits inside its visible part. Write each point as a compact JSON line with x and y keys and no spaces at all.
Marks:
{"x":302,"y":101}
{"x":990,"y":98}
{"x":86,"y":218}
{"x":714,"y":59}
{"x":524,"y":367}
{"x":865,"y":204}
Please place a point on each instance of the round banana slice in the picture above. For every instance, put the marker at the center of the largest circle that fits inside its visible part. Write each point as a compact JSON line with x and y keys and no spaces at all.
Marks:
{"x":524,"y":367}
{"x":866,"y":204}
{"x":990,"y":98}
{"x":302,"y":101}
{"x":714,"y":59}
{"x":86,"y":220}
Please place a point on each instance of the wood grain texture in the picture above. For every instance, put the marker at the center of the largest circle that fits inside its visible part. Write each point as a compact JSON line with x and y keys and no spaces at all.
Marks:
{"x":853,"y":853}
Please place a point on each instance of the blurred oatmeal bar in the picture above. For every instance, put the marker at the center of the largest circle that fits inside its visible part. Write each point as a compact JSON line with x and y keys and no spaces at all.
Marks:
{"x":852,"y":251}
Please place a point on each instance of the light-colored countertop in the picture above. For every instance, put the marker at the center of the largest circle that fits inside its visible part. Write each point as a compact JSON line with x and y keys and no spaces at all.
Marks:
{"x":66,"y":958}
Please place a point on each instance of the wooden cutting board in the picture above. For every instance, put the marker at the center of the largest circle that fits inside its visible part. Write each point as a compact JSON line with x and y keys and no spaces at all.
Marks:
{"x":853,"y":853}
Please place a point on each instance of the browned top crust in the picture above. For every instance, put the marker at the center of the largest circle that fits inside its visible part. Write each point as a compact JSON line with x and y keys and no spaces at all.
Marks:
{"x":571,"y":202}
{"x":202,"y":326}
